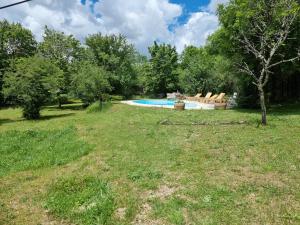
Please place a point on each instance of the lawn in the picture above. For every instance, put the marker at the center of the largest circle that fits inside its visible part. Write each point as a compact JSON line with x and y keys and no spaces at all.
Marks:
{"x":131,"y":165}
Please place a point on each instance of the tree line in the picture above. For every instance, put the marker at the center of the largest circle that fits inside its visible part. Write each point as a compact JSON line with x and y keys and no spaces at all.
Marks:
{"x":256,"y":43}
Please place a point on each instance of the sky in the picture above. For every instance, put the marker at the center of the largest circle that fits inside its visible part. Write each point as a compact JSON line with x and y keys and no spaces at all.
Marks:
{"x":177,"y":22}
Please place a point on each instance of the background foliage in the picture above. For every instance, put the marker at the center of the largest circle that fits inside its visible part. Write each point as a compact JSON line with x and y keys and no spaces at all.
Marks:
{"x":110,"y":65}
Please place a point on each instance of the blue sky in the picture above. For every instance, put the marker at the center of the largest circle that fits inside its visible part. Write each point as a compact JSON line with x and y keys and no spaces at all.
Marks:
{"x":177,"y":22}
{"x":190,"y":6}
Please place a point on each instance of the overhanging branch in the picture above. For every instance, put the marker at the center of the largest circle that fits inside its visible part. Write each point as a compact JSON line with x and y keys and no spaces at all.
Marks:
{"x":284,"y":61}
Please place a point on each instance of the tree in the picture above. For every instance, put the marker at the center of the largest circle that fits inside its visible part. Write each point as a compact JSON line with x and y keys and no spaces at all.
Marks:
{"x":32,"y":83}
{"x":261,"y":28}
{"x":62,"y":50}
{"x":90,"y":83}
{"x":140,"y":66}
{"x":162,"y":76}
{"x":15,"y":42}
{"x":196,"y":70}
{"x":115,"y":55}
{"x":202,"y":70}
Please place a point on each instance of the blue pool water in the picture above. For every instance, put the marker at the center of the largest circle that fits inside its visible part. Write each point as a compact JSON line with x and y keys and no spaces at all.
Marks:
{"x":155,"y":102}
{"x":164,"y":102}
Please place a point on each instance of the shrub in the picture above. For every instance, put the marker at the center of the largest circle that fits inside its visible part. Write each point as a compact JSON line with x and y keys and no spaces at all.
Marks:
{"x":116,"y":97}
{"x":95,"y":107}
{"x":32,"y":83}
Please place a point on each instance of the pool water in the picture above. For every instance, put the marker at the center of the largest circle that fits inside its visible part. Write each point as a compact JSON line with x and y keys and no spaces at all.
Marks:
{"x":166,"y":103}
{"x":155,"y":102}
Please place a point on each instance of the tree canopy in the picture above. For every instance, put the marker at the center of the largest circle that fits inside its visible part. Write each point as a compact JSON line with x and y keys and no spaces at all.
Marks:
{"x":162,"y":75}
{"x":31,"y":84}
{"x":115,"y":55}
{"x":258,"y":32}
{"x":90,"y":83}
{"x":15,"y":42}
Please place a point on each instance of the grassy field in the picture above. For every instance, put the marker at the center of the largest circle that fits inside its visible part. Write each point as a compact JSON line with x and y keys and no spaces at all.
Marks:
{"x":130,"y":165}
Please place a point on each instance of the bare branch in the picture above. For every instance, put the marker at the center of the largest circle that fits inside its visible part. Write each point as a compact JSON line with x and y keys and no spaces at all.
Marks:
{"x":266,"y":79}
{"x":283,"y":33}
{"x":285,"y":61}
{"x":245,"y":69}
{"x":250,"y":47}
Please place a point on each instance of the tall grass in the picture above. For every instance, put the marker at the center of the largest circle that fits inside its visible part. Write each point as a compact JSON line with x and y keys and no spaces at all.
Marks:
{"x":85,"y":200}
{"x":33,"y":149}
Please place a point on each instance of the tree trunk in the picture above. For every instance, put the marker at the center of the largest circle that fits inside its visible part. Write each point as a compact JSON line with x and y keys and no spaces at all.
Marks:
{"x":59,"y":100}
{"x":263,"y":106}
{"x":101,"y":103}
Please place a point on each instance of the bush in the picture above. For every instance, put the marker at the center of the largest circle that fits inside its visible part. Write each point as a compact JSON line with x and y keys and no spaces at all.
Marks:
{"x":31,"y":110}
{"x":63,"y":99}
{"x":116,"y":97}
{"x":95,"y":107}
{"x":31,"y":84}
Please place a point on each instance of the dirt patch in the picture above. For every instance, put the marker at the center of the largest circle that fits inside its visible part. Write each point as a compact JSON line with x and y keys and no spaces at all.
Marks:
{"x":251,"y":198}
{"x":242,"y":175}
{"x":143,"y":217}
{"x":186,"y":217}
{"x":162,"y":193}
{"x":30,"y":213}
{"x":121,"y":213}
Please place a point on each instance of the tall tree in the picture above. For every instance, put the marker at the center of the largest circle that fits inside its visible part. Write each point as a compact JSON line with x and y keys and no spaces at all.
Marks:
{"x":90,"y":83}
{"x":62,"y":50}
{"x":201,"y":71}
{"x":196,"y":70}
{"x":15,"y":42}
{"x":163,"y":74}
{"x":31,"y":84}
{"x":115,"y":55}
{"x":260,"y":29}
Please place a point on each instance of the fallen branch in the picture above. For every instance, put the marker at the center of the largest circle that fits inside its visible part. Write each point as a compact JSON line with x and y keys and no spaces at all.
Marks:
{"x":167,"y":122}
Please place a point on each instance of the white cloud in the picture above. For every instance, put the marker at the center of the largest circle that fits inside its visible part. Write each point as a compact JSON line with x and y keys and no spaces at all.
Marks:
{"x":196,"y":30}
{"x":70,"y":17}
{"x":213,"y":5}
{"x":141,"y":22}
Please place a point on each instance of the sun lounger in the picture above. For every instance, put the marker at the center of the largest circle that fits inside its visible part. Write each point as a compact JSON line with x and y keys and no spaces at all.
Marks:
{"x":207,"y":97}
{"x":217,"y":99}
{"x":195,"y":98}
{"x":211,"y":99}
{"x":220,"y":98}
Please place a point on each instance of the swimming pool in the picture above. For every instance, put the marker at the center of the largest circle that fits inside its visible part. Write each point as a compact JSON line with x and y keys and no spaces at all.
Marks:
{"x":164,"y":103}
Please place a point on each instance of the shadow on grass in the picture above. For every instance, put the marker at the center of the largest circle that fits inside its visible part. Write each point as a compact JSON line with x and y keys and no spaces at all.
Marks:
{"x":4,"y":121}
{"x":283,"y":110}
{"x":46,"y":117}
{"x":275,"y":110}
{"x":49,"y":117}
{"x":66,"y":107}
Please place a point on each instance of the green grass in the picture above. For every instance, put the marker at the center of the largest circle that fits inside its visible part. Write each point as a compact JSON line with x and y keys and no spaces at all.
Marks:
{"x":33,"y":149}
{"x":85,"y":200}
{"x":153,"y":171}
